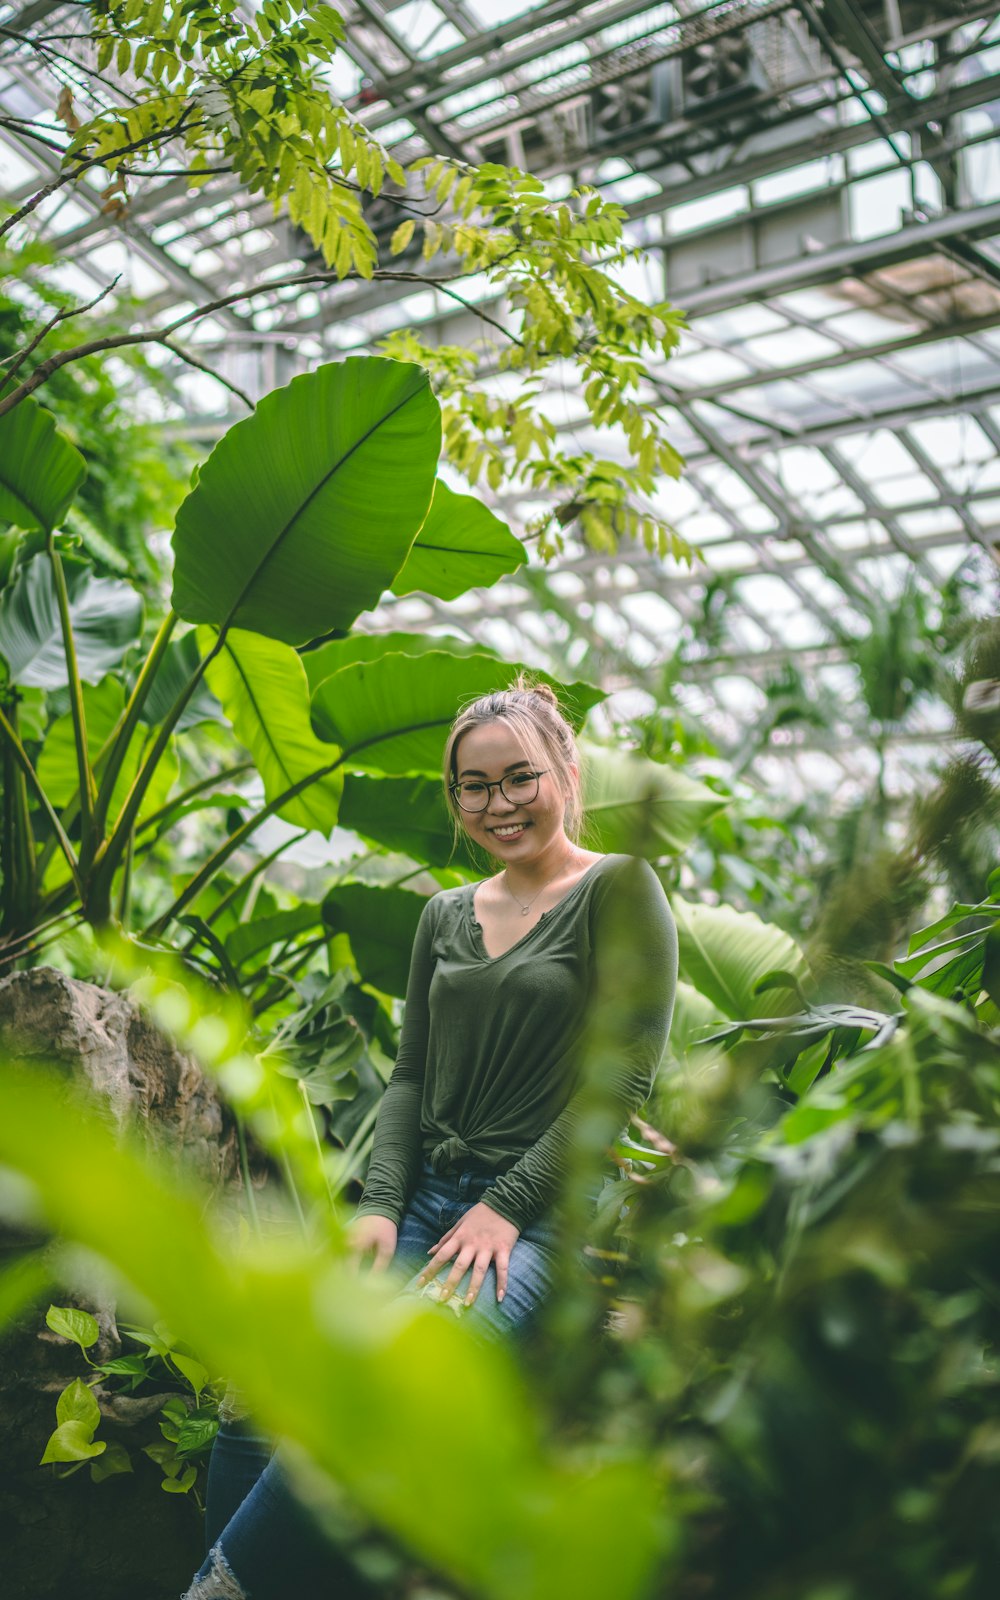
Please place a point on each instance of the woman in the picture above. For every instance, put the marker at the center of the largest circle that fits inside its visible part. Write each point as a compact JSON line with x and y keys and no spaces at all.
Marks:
{"x":477,"y":1123}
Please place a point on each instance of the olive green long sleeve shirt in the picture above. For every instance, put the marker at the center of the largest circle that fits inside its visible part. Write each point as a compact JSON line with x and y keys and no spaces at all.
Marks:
{"x":487,"y":1077}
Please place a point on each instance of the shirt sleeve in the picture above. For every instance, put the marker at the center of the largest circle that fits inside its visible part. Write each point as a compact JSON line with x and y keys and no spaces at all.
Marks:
{"x":635,"y":980}
{"x":397,"y":1147}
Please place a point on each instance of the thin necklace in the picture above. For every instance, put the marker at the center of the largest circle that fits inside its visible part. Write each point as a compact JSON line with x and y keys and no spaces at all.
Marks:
{"x":526,"y":905}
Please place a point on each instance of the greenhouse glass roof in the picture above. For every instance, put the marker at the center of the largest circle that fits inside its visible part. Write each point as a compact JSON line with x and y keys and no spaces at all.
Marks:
{"x":816,"y":184}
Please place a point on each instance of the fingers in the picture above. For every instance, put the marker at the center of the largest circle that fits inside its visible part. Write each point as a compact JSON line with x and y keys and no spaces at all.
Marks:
{"x":502,"y":1262}
{"x":463,"y":1261}
{"x":479,"y":1272}
{"x":442,"y":1253}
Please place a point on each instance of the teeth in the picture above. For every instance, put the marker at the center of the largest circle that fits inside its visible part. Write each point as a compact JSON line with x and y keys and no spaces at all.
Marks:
{"x":508,"y":833}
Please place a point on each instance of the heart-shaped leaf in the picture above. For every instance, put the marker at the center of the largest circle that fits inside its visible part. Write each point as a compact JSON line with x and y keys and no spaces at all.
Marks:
{"x":305,"y":511}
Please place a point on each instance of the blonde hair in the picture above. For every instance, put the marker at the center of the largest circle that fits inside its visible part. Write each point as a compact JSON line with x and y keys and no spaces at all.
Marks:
{"x":532,"y":712}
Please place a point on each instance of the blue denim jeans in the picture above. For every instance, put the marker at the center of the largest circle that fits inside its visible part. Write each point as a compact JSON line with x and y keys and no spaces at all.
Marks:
{"x":261,"y":1544}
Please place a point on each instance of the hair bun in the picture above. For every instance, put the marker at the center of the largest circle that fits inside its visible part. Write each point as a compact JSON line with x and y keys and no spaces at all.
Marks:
{"x":525,"y":684}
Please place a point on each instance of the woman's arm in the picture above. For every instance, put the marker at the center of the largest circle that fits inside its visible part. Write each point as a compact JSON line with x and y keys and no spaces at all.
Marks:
{"x":396,"y":1152}
{"x":635,"y":959}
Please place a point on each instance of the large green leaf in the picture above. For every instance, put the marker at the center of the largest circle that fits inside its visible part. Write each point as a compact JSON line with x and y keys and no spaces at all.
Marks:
{"x":404,"y":814}
{"x":461,"y":546}
{"x":393,"y":714}
{"x":57,"y":768}
{"x":381,"y":925}
{"x":263,"y":690}
{"x":304,"y":512}
{"x":106,"y":615}
{"x":328,"y":658}
{"x":723,"y":954}
{"x":40,"y":471}
{"x":640,"y":807}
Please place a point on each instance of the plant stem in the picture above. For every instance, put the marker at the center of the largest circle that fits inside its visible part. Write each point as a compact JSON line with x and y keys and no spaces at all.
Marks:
{"x":235,"y":840}
{"x":124,"y":895}
{"x":121,"y":736}
{"x":110,"y":852}
{"x":21,"y":757}
{"x":85,"y":776}
{"x":192,"y":792}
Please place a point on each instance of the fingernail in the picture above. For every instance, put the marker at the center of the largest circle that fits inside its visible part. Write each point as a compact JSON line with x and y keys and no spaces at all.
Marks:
{"x":499,"y":1295}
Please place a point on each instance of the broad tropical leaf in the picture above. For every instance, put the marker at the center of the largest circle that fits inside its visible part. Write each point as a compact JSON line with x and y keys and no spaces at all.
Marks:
{"x":262,"y":687}
{"x":102,"y":707}
{"x":40,"y":471}
{"x":304,"y":512}
{"x":381,"y":925}
{"x":461,"y":546}
{"x":641,"y":807}
{"x":404,"y":814}
{"x":393,"y":714}
{"x":328,"y":658}
{"x":106,"y":615}
{"x":724,"y":954}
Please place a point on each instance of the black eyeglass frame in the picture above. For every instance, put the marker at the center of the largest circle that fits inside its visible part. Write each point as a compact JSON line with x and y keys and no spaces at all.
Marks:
{"x":498,"y":783}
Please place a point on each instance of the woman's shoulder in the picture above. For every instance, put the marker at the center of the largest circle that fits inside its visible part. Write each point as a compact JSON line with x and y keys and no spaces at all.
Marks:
{"x":633,"y":874}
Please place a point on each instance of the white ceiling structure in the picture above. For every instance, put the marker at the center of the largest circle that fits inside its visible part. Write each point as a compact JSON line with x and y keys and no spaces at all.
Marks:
{"x":816,"y":183}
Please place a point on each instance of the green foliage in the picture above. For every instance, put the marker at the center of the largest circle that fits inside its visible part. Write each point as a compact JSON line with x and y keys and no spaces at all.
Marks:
{"x":187,"y":1427}
{"x":461,"y":545}
{"x":248,"y":97}
{"x":296,"y":544}
{"x":262,"y":688}
{"x":638,"y":807}
{"x":392,"y":714}
{"x":381,"y":924}
{"x":40,"y":471}
{"x":106,"y":616}
{"x":360,"y":1374}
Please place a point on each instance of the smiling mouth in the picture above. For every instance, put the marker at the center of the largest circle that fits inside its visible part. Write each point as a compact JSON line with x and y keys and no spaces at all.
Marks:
{"x":510,"y":831}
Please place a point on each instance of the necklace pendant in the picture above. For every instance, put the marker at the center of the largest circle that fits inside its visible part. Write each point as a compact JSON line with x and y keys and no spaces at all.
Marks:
{"x":525,"y":910}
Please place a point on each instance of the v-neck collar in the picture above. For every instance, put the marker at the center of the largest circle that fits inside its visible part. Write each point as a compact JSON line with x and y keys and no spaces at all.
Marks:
{"x":476,"y":926}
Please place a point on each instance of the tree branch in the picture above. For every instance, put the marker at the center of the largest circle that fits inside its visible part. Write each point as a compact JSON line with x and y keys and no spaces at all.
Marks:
{"x":118,"y":341}
{"x":201,"y":366}
{"x":20,"y":357}
{"x":83,"y":166}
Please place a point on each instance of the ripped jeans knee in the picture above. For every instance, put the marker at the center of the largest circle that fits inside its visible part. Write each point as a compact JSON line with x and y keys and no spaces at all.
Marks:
{"x":219,"y":1582}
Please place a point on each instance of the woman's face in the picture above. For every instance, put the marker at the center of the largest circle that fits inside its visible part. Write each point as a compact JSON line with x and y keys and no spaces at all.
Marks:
{"x":512,"y":830}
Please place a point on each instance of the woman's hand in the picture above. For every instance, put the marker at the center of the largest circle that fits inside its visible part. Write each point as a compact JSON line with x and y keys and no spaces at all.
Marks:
{"x":481,"y":1236}
{"x":372,"y":1236}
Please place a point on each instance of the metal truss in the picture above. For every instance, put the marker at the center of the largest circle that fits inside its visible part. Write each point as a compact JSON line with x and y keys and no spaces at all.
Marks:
{"x":817,"y":182}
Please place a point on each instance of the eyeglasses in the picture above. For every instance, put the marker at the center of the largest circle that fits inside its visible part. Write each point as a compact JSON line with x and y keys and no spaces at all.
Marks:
{"x":517,"y":788}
